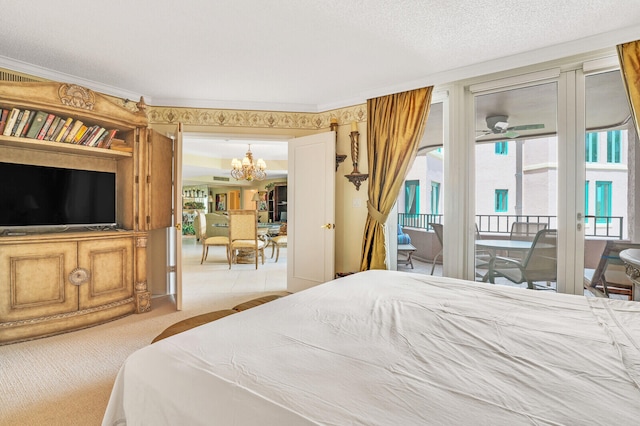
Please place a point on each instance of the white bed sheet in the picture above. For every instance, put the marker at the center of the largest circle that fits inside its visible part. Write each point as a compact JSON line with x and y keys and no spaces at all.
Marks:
{"x":393,"y":348}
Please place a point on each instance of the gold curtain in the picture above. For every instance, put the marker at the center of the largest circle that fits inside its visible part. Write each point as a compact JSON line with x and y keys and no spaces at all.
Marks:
{"x":395,"y":125}
{"x":629,"y":55}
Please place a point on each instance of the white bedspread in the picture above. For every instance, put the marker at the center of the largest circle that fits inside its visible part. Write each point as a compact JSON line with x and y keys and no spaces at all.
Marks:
{"x":393,"y":348}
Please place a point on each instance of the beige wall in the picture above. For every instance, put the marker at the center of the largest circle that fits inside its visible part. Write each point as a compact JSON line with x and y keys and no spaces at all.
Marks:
{"x":351,"y":204}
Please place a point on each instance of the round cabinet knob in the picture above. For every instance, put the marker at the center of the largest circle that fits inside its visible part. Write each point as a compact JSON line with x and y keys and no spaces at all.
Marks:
{"x":79,"y":276}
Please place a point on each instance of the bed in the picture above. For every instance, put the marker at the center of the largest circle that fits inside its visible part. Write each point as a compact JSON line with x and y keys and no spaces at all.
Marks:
{"x":394,"y":348}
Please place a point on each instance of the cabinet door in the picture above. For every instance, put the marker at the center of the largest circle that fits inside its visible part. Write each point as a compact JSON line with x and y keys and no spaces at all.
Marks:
{"x":159,"y":181}
{"x":35,"y":280}
{"x":110,"y":266}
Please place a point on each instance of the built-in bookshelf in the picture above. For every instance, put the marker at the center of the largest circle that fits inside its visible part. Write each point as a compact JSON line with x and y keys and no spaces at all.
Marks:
{"x":45,"y":126}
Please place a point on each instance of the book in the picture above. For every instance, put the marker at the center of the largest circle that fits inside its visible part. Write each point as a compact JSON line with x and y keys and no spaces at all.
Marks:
{"x":64,"y":130}
{"x":109,"y":139}
{"x":36,"y":125}
{"x":23,"y":122}
{"x":27,"y":125}
{"x":4,"y":113}
{"x":89,"y":135}
{"x":11,"y":121}
{"x":16,"y":124}
{"x":73,"y":130}
{"x":79,"y":134}
{"x":57,"y":129}
{"x":3,"y":119}
{"x":96,"y":137}
{"x":45,"y":126}
{"x":52,"y":128}
{"x":101,"y":140}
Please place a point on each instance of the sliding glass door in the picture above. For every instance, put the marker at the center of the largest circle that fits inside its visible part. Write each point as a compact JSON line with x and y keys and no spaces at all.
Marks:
{"x":516,"y":190}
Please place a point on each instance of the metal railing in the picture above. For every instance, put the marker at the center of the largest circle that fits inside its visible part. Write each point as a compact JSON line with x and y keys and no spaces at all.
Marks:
{"x":595,"y":226}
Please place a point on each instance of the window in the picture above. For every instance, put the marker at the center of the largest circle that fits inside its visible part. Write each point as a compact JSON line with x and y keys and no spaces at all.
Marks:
{"x":502,"y":148}
{"x":613,"y":146}
{"x":591,"y":147}
{"x":411,"y":197}
{"x":435,"y":197}
{"x":502,"y":200}
{"x":603,"y":201}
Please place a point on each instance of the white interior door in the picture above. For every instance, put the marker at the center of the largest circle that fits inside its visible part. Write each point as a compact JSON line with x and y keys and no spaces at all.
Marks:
{"x":311,"y":211}
{"x":177,"y":217}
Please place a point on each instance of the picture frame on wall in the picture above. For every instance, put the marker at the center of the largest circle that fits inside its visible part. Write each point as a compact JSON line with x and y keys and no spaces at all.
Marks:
{"x":221,"y":202}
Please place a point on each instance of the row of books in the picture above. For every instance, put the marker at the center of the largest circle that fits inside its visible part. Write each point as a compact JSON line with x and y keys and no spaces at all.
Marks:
{"x":44,"y":126}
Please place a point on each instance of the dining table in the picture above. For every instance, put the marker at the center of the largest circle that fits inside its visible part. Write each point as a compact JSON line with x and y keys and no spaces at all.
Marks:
{"x":492,"y":246}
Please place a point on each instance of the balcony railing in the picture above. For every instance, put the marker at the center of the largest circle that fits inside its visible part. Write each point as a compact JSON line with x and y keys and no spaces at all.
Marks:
{"x":610,"y":227}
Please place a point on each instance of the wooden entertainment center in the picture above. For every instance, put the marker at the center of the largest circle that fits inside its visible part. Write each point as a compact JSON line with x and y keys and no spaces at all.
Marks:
{"x":54,"y":280}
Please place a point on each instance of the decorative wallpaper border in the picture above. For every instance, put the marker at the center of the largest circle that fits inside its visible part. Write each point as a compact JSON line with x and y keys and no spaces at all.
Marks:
{"x":255,"y":119}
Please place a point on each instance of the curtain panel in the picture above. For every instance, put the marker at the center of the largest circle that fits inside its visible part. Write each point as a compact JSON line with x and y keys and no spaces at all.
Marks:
{"x":395,"y":125}
{"x":629,"y":56}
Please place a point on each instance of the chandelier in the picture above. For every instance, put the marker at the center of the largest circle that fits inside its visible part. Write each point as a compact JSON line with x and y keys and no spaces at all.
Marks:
{"x":246,"y":170}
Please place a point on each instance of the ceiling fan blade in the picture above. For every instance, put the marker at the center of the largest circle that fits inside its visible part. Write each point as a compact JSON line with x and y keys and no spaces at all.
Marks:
{"x":527,"y":127}
{"x":510,"y":134}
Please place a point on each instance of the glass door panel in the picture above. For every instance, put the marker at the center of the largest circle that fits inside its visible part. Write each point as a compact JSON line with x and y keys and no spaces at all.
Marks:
{"x":516,"y":184}
{"x":610,"y":178}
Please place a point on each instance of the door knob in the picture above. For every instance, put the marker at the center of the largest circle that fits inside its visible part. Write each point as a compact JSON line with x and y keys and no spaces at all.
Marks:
{"x":328,"y":226}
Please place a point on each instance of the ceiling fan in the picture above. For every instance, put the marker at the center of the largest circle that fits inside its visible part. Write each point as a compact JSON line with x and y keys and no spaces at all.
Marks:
{"x":499,"y":125}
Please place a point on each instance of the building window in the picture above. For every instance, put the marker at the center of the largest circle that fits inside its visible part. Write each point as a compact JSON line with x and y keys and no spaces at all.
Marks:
{"x":435,"y":197}
{"x":613,"y":146}
{"x":591,"y":147}
{"x":502,"y":148}
{"x":502,"y":200}
{"x":412,"y":196}
{"x":603,"y":201}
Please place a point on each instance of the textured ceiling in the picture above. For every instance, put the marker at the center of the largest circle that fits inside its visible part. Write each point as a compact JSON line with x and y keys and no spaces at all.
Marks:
{"x":300,"y":55}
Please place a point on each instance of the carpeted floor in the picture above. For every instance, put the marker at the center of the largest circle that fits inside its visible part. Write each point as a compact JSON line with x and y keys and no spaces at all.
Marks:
{"x":67,"y":379}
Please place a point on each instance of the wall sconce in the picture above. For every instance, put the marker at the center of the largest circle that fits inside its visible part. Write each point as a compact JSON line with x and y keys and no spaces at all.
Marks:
{"x":339,"y":157}
{"x":355,"y":177}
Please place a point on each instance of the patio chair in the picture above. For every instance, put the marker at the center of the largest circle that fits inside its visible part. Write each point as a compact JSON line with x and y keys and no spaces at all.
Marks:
{"x":483,"y":258}
{"x":610,"y":277}
{"x":210,"y":241}
{"x":524,"y":231}
{"x":539,"y":264}
{"x":438,"y":230}
{"x":243,"y":234}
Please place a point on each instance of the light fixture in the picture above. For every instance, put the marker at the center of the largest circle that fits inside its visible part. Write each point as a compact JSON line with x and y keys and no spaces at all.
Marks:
{"x":256,"y":198}
{"x":246,"y":170}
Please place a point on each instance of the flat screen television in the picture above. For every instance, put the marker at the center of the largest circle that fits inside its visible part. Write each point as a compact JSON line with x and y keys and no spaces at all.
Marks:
{"x":38,"y":196}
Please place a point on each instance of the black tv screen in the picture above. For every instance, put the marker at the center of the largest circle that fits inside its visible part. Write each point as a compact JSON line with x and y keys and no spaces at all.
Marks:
{"x":51,"y":196}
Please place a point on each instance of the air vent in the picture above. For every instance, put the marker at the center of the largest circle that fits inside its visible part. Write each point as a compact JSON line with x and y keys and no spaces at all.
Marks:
{"x":8,"y":75}
{"x":221,"y":179}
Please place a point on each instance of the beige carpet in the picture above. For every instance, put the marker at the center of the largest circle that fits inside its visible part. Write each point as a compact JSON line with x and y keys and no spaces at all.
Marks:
{"x":67,"y":379}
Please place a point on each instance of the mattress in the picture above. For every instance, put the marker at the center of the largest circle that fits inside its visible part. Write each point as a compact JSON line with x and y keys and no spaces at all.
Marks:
{"x":394,"y":348}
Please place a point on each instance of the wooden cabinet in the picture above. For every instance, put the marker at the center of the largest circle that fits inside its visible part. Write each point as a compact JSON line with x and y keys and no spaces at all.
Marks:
{"x":277,"y":203}
{"x":54,"y":280}
{"x":50,"y":287}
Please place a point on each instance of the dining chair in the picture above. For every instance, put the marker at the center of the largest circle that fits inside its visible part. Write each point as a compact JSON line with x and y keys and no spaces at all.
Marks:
{"x":438,"y":230}
{"x":539,"y":264}
{"x":211,"y":241}
{"x":243,"y":234}
{"x":610,"y":277}
{"x":279,"y":240}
